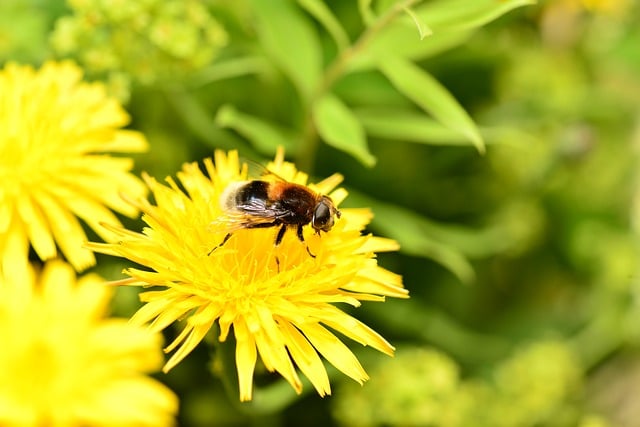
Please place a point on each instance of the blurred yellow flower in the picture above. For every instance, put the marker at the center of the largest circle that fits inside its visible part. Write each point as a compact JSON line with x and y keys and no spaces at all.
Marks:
{"x":55,"y":131}
{"x":65,"y":364}
{"x":606,"y":6}
{"x":286,"y":313}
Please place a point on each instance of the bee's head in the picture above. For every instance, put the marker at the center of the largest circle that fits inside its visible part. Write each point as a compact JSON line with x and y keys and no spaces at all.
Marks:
{"x":323,"y":215}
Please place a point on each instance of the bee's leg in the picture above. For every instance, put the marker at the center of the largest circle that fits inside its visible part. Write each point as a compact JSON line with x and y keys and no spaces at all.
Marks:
{"x":220,"y":244}
{"x":301,"y":238}
{"x":280,"y":235}
{"x":278,"y":240}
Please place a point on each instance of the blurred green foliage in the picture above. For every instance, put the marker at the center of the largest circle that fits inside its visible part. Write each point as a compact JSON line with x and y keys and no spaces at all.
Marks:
{"x":423,"y":387}
{"x":521,"y":262}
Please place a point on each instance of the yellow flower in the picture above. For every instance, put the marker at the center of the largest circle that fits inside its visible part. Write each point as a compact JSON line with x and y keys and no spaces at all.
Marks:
{"x":55,"y":131}
{"x":65,"y":364}
{"x":606,"y":6}
{"x":284,"y":313}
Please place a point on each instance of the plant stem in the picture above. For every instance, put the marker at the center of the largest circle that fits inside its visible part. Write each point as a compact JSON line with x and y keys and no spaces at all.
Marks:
{"x":309,"y":143}
{"x":337,"y":67}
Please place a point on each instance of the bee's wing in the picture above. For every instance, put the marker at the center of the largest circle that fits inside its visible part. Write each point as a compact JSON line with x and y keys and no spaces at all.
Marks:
{"x":259,"y":171}
{"x":256,"y":213}
{"x":232,"y":221}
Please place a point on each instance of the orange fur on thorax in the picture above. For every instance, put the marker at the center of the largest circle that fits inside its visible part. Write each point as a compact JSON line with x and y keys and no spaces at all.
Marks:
{"x":276,"y":189}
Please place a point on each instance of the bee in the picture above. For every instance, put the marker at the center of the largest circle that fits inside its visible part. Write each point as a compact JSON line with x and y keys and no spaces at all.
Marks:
{"x":265,"y":204}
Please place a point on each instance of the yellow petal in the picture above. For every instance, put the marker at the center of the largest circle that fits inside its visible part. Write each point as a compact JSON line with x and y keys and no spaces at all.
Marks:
{"x":275,"y":358}
{"x":15,"y":251}
{"x":246,"y":356}
{"x":356,"y":330}
{"x":334,"y":351}
{"x":189,"y":338}
{"x":68,"y":233}
{"x":306,"y":358}
{"x":36,"y":226}
{"x":6,"y":210}
{"x":57,"y":279}
{"x":127,"y":141}
{"x":326,"y":185}
{"x":378,"y":244}
{"x":90,"y":210}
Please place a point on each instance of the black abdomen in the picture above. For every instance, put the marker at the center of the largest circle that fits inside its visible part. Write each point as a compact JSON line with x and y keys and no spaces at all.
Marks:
{"x":252,"y":192}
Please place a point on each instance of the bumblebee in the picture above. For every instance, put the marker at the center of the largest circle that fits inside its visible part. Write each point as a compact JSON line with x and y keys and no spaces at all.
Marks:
{"x":265,"y":204}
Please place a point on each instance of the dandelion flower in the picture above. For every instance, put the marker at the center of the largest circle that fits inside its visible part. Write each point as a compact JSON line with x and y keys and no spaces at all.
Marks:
{"x":279,"y":301}
{"x":55,"y":132}
{"x":65,"y":364}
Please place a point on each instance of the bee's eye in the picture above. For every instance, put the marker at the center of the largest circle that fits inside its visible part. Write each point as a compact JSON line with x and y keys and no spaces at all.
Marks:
{"x":322,"y":218}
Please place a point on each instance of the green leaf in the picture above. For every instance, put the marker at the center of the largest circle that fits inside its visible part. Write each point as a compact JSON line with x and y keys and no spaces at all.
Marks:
{"x":417,"y":235}
{"x":423,"y":89}
{"x":404,"y":41}
{"x":408,"y":126}
{"x":290,"y":39}
{"x":423,"y":27}
{"x":456,"y":15}
{"x":370,"y":88}
{"x":319,"y":10}
{"x":264,"y":136}
{"x":451,"y":22}
{"x":227,"y":69}
{"x":199,"y":120}
{"x":339,"y":128}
